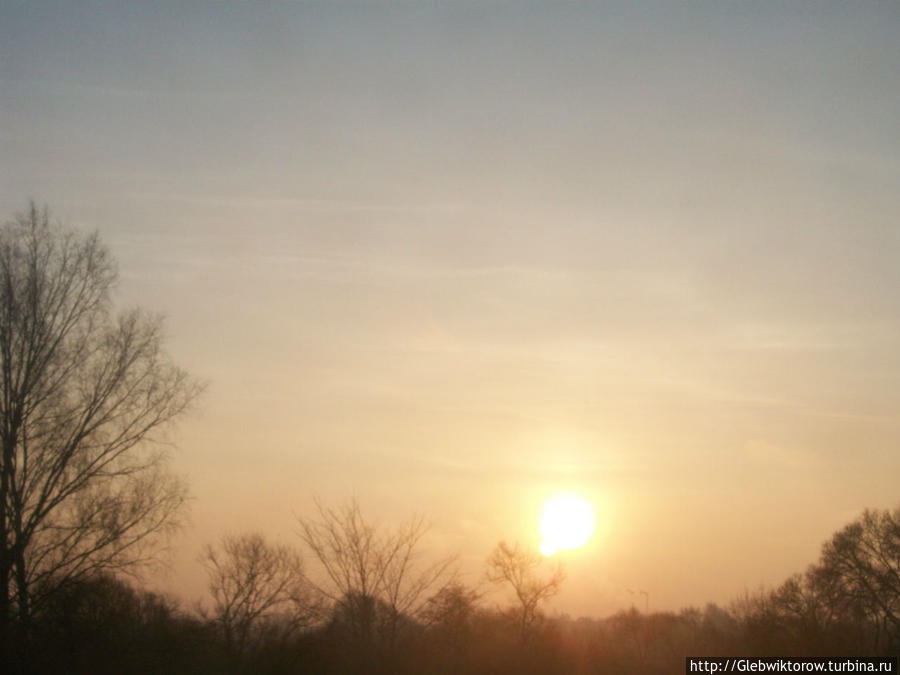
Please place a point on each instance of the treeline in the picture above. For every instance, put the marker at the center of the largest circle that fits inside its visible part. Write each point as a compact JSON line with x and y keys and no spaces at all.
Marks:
{"x":87,"y":394}
{"x":269,"y":616}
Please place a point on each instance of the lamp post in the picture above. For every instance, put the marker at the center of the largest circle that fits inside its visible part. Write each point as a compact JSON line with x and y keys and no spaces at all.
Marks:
{"x":646,"y":595}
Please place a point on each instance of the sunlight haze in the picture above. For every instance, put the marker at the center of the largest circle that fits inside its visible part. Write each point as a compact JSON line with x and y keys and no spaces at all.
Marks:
{"x":454,"y":259}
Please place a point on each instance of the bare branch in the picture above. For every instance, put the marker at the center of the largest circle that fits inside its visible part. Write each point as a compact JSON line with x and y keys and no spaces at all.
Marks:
{"x":518,"y":567}
{"x":251,"y":581}
{"x":373,"y":576}
{"x":82,"y":395}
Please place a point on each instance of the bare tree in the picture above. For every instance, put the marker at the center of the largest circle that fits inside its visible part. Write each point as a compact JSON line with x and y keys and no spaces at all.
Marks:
{"x":849,"y":601}
{"x":450,"y":616}
{"x":81,"y":391}
{"x":519,"y":568}
{"x":453,"y":605}
{"x":373,"y":576}
{"x":859,"y":572}
{"x":254,"y":582}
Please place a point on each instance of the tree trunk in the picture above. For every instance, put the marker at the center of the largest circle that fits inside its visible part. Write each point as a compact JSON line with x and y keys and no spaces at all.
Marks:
{"x":23,"y":642}
{"x":6,"y":637}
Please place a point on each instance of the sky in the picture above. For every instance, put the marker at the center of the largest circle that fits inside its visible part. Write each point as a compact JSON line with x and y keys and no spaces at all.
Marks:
{"x":452,"y":258}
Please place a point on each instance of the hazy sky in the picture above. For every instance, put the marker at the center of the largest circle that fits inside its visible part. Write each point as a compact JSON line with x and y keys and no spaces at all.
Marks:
{"x":450,"y":258}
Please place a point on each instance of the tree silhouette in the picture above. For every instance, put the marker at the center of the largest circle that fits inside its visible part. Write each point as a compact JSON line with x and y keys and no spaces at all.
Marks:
{"x":374,"y":576}
{"x":519,"y":568}
{"x":81,"y":390}
{"x":846,"y":603}
{"x":860,"y":570}
{"x":450,"y":617}
{"x":252,"y":582}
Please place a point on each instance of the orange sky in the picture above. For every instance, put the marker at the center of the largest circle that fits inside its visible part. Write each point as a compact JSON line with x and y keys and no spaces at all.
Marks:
{"x":452,"y":259}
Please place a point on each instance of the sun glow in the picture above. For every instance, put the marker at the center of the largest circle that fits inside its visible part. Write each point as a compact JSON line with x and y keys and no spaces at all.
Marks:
{"x":567,"y":522}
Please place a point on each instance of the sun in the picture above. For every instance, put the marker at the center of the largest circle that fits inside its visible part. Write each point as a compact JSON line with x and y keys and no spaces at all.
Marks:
{"x":567,"y":522}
